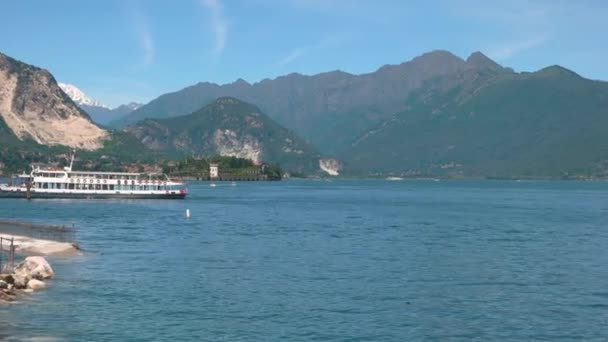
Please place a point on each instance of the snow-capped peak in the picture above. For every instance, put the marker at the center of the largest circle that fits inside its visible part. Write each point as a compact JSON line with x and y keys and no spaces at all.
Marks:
{"x":133,"y":105}
{"x":80,"y":97}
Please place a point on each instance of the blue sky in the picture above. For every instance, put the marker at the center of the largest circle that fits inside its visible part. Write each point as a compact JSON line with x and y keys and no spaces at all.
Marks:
{"x":119,"y":51}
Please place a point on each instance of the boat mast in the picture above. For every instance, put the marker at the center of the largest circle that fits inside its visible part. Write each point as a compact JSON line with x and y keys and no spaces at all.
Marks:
{"x":71,"y":161}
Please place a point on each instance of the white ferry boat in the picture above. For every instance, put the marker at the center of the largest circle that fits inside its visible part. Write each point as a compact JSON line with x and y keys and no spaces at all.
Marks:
{"x":47,"y":183}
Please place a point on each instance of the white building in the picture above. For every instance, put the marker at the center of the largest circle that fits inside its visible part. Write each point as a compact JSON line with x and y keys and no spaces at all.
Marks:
{"x":213,"y":171}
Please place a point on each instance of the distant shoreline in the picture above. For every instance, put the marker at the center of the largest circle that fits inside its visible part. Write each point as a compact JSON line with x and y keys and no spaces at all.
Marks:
{"x":438,"y":178}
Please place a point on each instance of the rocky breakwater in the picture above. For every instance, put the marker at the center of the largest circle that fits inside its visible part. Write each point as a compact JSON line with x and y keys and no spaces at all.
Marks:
{"x":28,"y":276}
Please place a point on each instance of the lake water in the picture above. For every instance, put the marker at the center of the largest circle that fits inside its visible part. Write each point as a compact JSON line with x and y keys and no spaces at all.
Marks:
{"x":340,"y":260}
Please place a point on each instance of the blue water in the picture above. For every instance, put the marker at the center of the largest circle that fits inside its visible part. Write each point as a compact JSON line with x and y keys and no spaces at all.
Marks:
{"x":331,"y":261}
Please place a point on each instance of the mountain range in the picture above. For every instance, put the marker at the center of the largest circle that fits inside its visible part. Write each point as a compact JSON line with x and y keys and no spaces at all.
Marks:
{"x":99,"y":112}
{"x":436,"y":115}
{"x":330,"y":109}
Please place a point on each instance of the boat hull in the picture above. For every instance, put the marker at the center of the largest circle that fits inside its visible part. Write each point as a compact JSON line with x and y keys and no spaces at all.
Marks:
{"x":46,"y":195}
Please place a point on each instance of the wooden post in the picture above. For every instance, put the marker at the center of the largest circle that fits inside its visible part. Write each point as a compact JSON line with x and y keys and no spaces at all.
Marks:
{"x":28,"y":188}
{"x":11,"y":257}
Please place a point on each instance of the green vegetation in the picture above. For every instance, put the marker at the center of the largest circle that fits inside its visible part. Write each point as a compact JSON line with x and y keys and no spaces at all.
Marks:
{"x":228,"y":124}
{"x":435,"y":116}
{"x":551,"y":123}
{"x":17,"y":155}
{"x":120,"y":152}
{"x":229,"y":167}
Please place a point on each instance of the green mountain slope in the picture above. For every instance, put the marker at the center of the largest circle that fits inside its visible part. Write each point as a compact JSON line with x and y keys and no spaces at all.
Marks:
{"x":550,"y":123}
{"x":329,"y":109}
{"x":120,"y":151}
{"x":231,"y":127}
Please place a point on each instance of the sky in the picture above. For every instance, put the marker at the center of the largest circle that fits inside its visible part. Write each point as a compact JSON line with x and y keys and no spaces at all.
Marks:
{"x":118,"y":51}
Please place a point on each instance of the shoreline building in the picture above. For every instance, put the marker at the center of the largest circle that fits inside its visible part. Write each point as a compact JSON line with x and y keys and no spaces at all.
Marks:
{"x":214,"y":171}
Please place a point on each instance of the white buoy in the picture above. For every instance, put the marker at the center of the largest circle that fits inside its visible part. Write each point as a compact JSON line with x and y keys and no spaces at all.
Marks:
{"x":187,"y":213}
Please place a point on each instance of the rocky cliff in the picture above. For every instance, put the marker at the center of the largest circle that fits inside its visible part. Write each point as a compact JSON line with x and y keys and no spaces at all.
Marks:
{"x":33,"y":107}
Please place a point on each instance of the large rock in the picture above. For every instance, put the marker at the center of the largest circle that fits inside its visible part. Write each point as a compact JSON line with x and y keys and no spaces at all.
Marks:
{"x":7,"y":278}
{"x":34,"y":267}
{"x":19,"y":281}
{"x":35,"y":284}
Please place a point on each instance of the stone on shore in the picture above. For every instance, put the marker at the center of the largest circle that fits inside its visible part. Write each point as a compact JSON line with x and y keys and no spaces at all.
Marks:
{"x":26,"y":278}
{"x":7,"y":278}
{"x":34,"y":267}
{"x":19,"y":281}
{"x":35,"y":284}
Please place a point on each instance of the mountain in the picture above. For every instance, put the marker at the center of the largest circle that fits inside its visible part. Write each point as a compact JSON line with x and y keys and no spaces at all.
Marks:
{"x":79,"y":96}
{"x":99,"y":112}
{"x":550,"y":123}
{"x":437,"y":114}
{"x":34,"y":108}
{"x":228,"y":127}
{"x":104,"y":116}
{"x":330,"y":109}
{"x":127,"y":108}
{"x":40,"y":123}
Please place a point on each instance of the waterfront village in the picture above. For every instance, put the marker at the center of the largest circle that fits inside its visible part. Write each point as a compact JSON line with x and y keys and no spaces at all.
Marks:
{"x":217,"y":168}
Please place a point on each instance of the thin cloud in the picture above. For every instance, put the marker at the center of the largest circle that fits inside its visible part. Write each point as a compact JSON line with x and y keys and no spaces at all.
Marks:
{"x":523,"y":25}
{"x":292,"y":56}
{"x":298,"y":52}
{"x":219,"y":24}
{"x":510,"y":49}
{"x":147,"y":45}
{"x":333,"y":7}
{"x":144,"y":38}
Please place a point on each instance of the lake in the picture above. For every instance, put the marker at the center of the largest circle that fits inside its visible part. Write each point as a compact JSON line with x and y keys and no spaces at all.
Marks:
{"x":338,"y":260}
